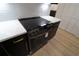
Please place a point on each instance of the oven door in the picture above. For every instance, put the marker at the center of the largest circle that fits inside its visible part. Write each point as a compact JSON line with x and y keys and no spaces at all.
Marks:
{"x":37,"y":42}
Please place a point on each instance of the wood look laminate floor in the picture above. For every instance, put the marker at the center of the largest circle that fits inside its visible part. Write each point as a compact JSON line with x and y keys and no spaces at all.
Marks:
{"x":63,"y":44}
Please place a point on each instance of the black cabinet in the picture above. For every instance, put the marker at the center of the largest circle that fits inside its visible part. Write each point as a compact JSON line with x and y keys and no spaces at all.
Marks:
{"x":16,"y":46}
{"x":52,"y":28}
{"x":3,"y":51}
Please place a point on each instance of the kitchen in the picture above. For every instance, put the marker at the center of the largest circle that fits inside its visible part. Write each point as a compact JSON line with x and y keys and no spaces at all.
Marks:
{"x":25,"y":28}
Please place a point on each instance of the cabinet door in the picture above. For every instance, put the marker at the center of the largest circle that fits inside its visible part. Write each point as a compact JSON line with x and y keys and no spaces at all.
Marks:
{"x":3,"y":52}
{"x":16,"y":46}
{"x":52,"y":30}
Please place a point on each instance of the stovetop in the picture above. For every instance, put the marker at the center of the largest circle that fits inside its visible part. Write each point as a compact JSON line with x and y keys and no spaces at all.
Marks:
{"x":34,"y":22}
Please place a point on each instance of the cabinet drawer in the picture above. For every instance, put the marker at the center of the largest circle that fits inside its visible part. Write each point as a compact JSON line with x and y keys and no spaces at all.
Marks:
{"x":15,"y":40}
{"x":19,"y":49}
{"x":3,"y":51}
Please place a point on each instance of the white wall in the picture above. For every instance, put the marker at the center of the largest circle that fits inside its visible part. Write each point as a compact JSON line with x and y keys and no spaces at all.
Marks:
{"x":20,"y":10}
{"x":69,"y":13}
{"x":54,"y":7}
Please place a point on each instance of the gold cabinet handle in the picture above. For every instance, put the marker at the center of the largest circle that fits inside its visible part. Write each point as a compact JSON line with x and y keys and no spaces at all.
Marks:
{"x":18,"y":40}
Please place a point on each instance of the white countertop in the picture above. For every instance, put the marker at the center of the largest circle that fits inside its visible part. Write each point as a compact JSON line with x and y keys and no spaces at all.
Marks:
{"x":51,"y":19}
{"x":10,"y":29}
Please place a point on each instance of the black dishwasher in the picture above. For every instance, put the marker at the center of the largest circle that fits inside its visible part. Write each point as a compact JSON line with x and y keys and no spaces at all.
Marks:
{"x":16,"y":46}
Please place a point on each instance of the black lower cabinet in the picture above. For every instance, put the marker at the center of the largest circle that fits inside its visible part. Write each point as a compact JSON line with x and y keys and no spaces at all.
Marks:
{"x":52,"y":30}
{"x":3,"y":51}
{"x":16,"y":46}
